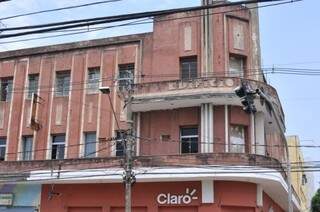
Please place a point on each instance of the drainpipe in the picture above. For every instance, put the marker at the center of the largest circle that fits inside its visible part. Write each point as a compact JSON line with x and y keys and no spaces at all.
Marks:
{"x":266,"y":98}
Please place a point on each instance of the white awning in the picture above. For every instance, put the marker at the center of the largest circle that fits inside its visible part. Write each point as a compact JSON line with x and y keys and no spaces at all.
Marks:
{"x":271,"y":180}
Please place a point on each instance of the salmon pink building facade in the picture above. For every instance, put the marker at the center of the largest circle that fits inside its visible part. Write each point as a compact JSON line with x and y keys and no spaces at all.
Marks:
{"x":195,"y":148}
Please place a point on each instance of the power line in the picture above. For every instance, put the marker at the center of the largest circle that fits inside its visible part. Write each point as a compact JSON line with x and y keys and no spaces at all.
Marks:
{"x":107,"y":140}
{"x":65,"y":162}
{"x":58,"y":9}
{"x":51,"y":88}
{"x":139,"y":15}
{"x":257,"y":167}
{"x":146,"y":172}
{"x":226,"y":166}
{"x":110,"y":19}
{"x":81,"y":31}
{"x":222,"y":143}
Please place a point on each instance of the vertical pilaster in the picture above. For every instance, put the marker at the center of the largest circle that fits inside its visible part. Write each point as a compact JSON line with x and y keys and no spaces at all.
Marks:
{"x":259,"y":196}
{"x":138,"y":128}
{"x":260,"y":133}
{"x":207,"y":189}
{"x":207,"y":138}
{"x":255,"y":40}
{"x":207,"y":40}
{"x":253,"y":134}
{"x":226,"y":127}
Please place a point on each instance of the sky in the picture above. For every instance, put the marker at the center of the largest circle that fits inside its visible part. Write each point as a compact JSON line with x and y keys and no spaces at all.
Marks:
{"x":289,"y":38}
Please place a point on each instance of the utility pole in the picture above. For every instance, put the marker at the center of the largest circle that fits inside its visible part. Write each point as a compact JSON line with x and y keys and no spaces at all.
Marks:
{"x":129,"y":178}
{"x":125,"y":88}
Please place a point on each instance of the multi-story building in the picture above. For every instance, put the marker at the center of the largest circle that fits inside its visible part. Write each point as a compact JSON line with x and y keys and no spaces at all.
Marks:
{"x":302,"y":182}
{"x":195,"y":147}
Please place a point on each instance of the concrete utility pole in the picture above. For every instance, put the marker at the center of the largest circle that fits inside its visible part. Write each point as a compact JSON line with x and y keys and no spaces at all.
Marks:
{"x":129,"y":176}
{"x":126,"y":89}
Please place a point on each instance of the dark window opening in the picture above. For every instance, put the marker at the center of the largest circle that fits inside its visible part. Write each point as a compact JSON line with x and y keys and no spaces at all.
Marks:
{"x":6,"y":89}
{"x":120,"y":143}
{"x":2,"y":149}
{"x":58,"y":146}
{"x":189,"y":139}
{"x":189,"y":68}
{"x":304,"y":179}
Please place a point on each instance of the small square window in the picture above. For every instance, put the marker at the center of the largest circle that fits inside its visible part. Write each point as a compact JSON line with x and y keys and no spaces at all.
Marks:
{"x":189,"y":139}
{"x":58,"y":146}
{"x":62,"y":86}
{"x":189,"y":68}
{"x":90,"y":145}
{"x":33,"y":81}
{"x":236,"y":67}
{"x":237,"y":139}
{"x":93,"y":80}
{"x":27,"y":142}
{"x":2,"y":149}
{"x":6,"y":89}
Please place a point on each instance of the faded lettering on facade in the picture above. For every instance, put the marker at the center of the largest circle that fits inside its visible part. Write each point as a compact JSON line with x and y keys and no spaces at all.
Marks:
{"x":201,"y":83}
